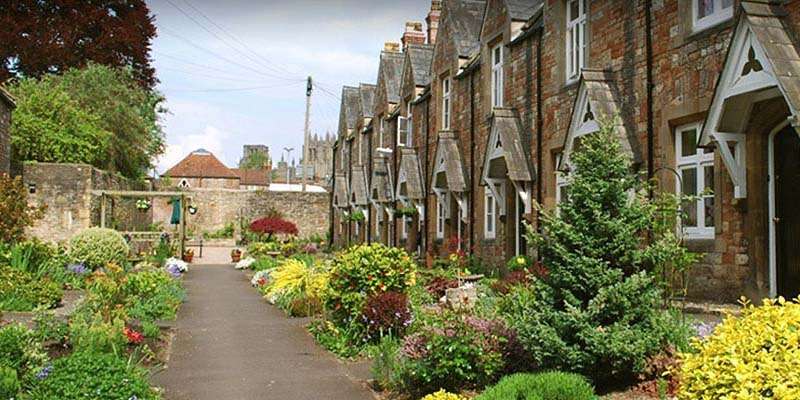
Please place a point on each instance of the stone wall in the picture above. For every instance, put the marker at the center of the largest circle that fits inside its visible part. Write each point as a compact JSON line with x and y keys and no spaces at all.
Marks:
{"x":219,"y":207}
{"x":66,"y":190}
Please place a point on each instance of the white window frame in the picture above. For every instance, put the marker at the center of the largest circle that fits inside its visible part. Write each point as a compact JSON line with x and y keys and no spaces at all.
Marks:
{"x":357,"y":230}
{"x":497,"y":76}
{"x":380,"y":132}
{"x":378,"y":223}
{"x":718,"y":16}
{"x":561,"y":179}
{"x":576,"y":40}
{"x":404,"y":229}
{"x":360,"y":149}
{"x":698,"y":161}
{"x":409,"y":125}
{"x":440,"y":215}
{"x":490,"y":213}
{"x":447,"y":103}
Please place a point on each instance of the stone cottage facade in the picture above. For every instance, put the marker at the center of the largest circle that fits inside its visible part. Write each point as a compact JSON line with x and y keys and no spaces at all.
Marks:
{"x":7,"y":105}
{"x":202,"y":170}
{"x":704,"y":95}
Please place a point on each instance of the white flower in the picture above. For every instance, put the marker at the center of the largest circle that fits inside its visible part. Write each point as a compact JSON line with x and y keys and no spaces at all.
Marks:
{"x":260,"y":274}
{"x":182,"y":266}
{"x":246,"y":263}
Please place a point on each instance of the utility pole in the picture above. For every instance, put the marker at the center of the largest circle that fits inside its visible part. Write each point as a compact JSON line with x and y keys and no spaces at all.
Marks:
{"x":307,"y":137}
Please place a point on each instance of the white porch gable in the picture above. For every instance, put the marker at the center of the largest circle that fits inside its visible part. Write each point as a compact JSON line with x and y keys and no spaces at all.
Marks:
{"x":762,"y":63}
{"x":505,"y":159}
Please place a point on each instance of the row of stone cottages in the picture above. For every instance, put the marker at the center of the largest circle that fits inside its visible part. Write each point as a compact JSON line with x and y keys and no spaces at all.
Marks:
{"x":473,"y":122}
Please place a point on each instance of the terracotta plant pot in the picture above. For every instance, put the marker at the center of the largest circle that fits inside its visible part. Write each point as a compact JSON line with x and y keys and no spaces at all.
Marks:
{"x":188,"y":258}
{"x":236,"y":256}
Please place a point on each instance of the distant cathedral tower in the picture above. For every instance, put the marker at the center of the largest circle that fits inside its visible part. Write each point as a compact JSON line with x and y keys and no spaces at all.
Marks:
{"x":320,"y":154}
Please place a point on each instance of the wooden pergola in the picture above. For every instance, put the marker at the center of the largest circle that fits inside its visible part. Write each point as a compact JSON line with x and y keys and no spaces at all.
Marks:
{"x":105,"y":194}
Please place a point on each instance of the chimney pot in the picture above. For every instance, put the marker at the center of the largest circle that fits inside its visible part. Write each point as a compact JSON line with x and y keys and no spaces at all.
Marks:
{"x":433,"y":20}
{"x":413,"y":34}
{"x":393,"y":47}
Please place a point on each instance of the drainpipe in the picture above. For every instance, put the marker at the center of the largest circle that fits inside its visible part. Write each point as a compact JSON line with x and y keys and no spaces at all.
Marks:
{"x":539,"y":127}
{"x":331,"y":225}
{"x":650,"y":85}
{"x":368,"y":177}
{"x":425,"y":177}
{"x":471,"y":192}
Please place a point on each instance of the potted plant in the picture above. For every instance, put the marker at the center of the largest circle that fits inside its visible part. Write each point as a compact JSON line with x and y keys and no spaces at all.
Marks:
{"x":188,"y":255}
{"x":143,"y":205}
{"x":236,"y":255}
{"x":406,"y":211}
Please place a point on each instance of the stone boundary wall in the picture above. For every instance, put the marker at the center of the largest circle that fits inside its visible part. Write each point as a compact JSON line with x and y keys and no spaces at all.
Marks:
{"x":219,"y":207}
{"x":66,"y":190}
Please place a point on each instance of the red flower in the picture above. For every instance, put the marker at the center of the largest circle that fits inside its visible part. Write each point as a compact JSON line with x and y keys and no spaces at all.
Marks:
{"x":133,"y":336}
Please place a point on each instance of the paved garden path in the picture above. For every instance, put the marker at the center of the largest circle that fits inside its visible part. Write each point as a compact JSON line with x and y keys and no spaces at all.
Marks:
{"x":231,"y":345}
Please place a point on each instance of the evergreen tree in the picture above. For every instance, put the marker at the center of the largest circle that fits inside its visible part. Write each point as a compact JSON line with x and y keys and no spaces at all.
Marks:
{"x":597,"y":310}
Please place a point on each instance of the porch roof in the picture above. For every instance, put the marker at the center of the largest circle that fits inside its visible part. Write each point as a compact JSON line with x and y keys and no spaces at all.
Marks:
{"x":381,"y":189}
{"x":448,"y":161}
{"x":410,"y":174}
{"x":506,"y":141}
{"x":340,"y":198}
{"x":358,"y":188}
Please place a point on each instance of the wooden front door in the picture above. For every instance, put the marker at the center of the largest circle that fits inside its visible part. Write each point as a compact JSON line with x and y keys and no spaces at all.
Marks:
{"x":787,"y":211}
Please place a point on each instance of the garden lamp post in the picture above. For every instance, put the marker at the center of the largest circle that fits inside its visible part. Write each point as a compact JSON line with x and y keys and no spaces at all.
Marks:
{"x":288,"y":151}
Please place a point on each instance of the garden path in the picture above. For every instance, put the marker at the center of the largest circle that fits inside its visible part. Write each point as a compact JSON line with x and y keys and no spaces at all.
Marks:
{"x":231,"y":345}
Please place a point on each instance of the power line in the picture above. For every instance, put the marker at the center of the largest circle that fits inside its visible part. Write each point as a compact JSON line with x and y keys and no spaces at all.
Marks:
{"x":268,"y":64}
{"x":209,"y":76}
{"x":213,"y":90}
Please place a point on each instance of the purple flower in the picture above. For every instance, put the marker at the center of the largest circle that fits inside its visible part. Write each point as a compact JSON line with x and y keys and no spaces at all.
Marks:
{"x":174,"y":270}
{"x":77,"y":269}
{"x":704,"y":329}
{"x":44,"y":373}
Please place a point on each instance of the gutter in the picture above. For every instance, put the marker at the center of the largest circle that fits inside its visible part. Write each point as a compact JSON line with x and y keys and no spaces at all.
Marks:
{"x":331,"y":225}
{"x":471,"y":193}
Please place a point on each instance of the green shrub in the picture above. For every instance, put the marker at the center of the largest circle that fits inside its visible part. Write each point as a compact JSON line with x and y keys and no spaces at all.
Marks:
{"x":456,"y":352}
{"x":98,"y":376}
{"x":21,"y":351}
{"x":95,"y":333}
{"x":17,"y":214}
{"x":96,"y":247}
{"x":260,"y":249}
{"x":9,"y":383}
{"x":597,"y":307}
{"x":365,"y":270}
{"x":152,"y":295}
{"x":20,"y":291}
{"x":265,"y":263}
{"x":543,"y":386}
{"x":753,"y":356}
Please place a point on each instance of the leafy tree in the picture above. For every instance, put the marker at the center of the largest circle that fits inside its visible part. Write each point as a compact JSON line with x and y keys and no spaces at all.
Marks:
{"x":42,"y":37}
{"x":597,"y":309}
{"x":96,"y":115}
{"x":254,"y":160}
{"x":17,"y":214}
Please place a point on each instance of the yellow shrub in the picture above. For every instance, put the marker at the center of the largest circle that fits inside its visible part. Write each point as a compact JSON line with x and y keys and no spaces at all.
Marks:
{"x":754,"y":356}
{"x":442,"y":395}
{"x":293,"y":280}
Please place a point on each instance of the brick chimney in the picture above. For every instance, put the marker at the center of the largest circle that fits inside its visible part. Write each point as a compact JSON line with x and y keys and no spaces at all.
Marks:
{"x":391,"y":47}
{"x":413,"y":34}
{"x":433,"y":20}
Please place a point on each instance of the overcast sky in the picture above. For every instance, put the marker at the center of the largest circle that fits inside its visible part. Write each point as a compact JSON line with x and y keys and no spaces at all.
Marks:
{"x":233,"y":71}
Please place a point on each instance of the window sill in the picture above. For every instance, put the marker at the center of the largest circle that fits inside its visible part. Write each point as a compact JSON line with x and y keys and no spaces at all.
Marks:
{"x":704,"y":31}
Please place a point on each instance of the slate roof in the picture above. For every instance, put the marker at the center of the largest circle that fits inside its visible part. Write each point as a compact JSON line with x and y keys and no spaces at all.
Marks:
{"x":200,"y":164}
{"x":603,"y":101}
{"x":447,"y":149}
{"x":350,"y":104}
{"x":358,"y":188}
{"x":381,"y":190}
{"x":252,"y":177}
{"x":391,"y":69}
{"x":522,"y":10}
{"x":767,"y":21}
{"x":421,"y":58}
{"x":410,"y":169}
{"x":506,"y":126}
{"x":366,"y":99}
{"x":340,"y":197}
{"x":465,"y":18}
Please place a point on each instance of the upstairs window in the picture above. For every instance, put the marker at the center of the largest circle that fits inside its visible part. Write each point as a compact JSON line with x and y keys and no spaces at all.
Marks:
{"x":707,"y":13}
{"x":446,"y":103}
{"x":404,"y":128}
{"x":695,"y":167}
{"x":409,"y":124}
{"x":497,"y":76}
{"x":576,"y":38}
{"x":380,"y":133}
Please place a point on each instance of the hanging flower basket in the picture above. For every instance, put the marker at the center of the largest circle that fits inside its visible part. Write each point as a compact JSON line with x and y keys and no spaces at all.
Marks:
{"x":409,"y":212}
{"x":143,"y":205}
{"x":356,"y":216}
